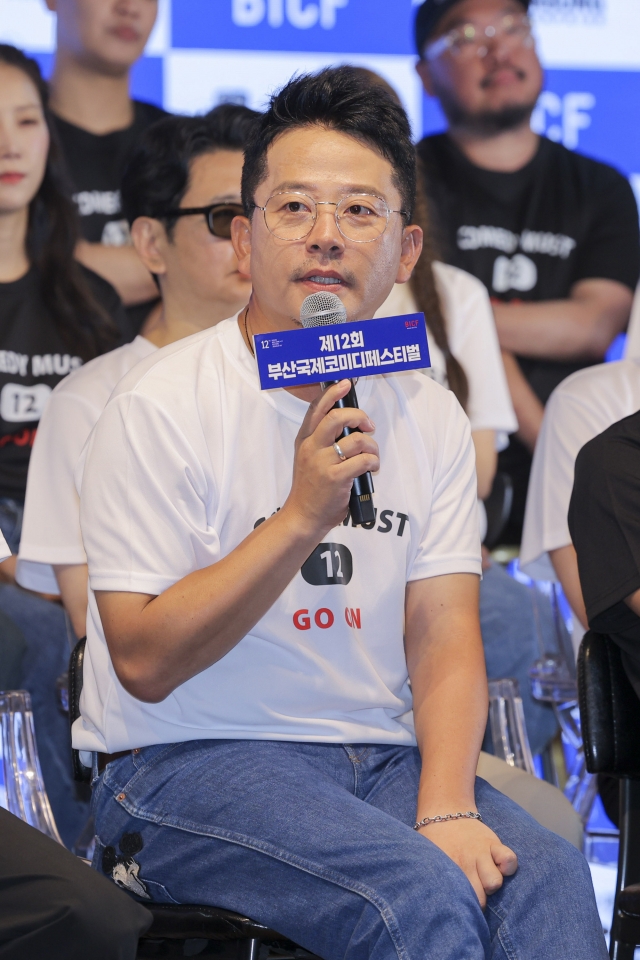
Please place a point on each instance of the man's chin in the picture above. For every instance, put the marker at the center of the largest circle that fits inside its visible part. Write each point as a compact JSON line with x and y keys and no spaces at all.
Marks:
{"x":487,"y":123}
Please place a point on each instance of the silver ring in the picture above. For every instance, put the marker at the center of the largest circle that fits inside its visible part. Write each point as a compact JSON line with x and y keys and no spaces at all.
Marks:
{"x":337,"y":449}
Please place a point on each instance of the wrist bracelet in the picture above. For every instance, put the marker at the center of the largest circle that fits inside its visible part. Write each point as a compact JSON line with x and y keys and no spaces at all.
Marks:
{"x":448,"y":816}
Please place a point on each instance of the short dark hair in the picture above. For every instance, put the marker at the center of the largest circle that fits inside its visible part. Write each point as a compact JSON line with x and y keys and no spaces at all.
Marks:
{"x":157,"y":176}
{"x":339,"y":98}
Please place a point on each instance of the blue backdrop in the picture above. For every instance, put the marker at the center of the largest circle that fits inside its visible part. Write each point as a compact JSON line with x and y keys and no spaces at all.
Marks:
{"x":207,"y":51}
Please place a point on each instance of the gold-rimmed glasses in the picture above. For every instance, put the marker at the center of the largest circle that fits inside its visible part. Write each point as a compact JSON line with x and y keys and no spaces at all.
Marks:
{"x":361,"y":218}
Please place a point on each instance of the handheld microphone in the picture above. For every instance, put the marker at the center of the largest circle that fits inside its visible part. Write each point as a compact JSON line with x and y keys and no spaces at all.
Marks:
{"x":319,"y":310}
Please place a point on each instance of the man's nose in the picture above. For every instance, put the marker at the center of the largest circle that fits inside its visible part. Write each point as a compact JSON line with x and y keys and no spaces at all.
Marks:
{"x":325,"y":235}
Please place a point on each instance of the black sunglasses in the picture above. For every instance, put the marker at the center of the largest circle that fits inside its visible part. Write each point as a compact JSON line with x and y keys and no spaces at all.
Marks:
{"x":217,"y":215}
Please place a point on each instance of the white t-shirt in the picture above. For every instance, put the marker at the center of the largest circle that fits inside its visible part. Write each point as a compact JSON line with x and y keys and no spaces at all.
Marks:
{"x":580,"y":408}
{"x":51,"y":524}
{"x":473,"y":341}
{"x":187,"y":458}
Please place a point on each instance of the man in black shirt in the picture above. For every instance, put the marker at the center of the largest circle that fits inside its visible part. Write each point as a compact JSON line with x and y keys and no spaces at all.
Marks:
{"x":98,"y":124}
{"x":552,"y":234}
{"x":604,"y":520}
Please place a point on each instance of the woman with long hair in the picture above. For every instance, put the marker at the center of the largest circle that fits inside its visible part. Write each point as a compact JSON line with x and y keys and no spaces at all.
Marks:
{"x":54,"y":316}
{"x":54,"y":313}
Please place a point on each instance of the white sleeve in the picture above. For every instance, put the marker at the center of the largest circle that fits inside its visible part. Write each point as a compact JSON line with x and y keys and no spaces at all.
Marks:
{"x":144,"y":500}
{"x":51,"y":524}
{"x":450,"y":542}
{"x":474,"y":343}
{"x":566,"y":427}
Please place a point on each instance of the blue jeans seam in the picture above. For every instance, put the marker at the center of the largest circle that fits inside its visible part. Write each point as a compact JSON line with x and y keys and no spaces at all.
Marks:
{"x":503,"y":934}
{"x":383,"y":908}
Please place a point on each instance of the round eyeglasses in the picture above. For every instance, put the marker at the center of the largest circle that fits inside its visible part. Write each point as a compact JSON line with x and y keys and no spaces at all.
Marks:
{"x":217,"y":215}
{"x":470,"y":40}
{"x":361,"y":218}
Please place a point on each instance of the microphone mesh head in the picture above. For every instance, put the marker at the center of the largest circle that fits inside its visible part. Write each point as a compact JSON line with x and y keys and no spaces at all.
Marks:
{"x":322,"y":309}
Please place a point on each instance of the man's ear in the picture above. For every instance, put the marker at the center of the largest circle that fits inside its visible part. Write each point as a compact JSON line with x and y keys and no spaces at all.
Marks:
{"x":411,"y":250}
{"x":241,"y":239}
{"x":423,"y":71}
{"x":149,"y":238}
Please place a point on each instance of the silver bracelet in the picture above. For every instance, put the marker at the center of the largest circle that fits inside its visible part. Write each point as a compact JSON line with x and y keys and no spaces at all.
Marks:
{"x":448,"y":816}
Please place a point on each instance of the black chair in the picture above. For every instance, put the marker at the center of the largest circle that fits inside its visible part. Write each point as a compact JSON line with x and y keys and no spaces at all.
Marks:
{"x":610,"y":715}
{"x":190,"y":930}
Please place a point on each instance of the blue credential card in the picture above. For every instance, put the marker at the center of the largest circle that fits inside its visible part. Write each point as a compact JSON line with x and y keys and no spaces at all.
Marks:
{"x":361,"y":348}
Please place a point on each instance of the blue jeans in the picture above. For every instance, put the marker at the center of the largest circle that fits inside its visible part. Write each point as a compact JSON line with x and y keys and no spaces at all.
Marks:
{"x":509,"y":637}
{"x":43,"y":626}
{"x":44,"y":656}
{"x":315,"y":840}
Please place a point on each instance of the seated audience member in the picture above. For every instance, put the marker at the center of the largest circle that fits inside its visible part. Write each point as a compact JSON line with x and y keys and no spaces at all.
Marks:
{"x":52,"y":906}
{"x":181,"y":162}
{"x":99,"y":126}
{"x":584,"y":405}
{"x":603,"y":519}
{"x":552,"y":234}
{"x":270,"y":755}
{"x":54,"y":315}
{"x":465,"y":356}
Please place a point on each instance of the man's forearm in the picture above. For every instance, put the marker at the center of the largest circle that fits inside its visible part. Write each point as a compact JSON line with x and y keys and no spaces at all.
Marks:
{"x":528,"y":408}
{"x":448,"y":682}
{"x":158,"y":643}
{"x":72,"y":582}
{"x":122,"y":267}
{"x":580,"y":327}
{"x":565,"y":564}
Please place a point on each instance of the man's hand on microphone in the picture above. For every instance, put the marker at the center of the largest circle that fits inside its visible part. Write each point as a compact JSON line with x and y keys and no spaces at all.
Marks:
{"x":322,"y":482}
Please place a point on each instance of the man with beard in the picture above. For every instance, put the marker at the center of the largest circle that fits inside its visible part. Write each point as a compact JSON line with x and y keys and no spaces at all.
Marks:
{"x":552,"y":234}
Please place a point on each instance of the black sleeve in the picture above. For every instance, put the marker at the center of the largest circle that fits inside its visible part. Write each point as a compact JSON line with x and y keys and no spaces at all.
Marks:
{"x":54,"y":905}
{"x":611,"y":249}
{"x":604,"y":516}
{"x":109,"y":300}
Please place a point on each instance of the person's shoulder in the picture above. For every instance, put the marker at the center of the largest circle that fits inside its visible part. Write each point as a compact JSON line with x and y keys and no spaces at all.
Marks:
{"x":433,"y":148}
{"x":147,"y":113}
{"x":588,"y":384}
{"x":159,"y":375}
{"x":595,"y":172}
{"x":599,"y":453}
{"x":103,"y":372}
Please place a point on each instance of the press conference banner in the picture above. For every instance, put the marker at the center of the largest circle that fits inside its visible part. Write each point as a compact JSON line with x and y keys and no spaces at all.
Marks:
{"x":295,"y":358}
{"x":204,"y":52}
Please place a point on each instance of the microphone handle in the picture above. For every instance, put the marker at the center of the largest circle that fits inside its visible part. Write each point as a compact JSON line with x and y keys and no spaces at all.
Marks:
{"x":361,"y":500}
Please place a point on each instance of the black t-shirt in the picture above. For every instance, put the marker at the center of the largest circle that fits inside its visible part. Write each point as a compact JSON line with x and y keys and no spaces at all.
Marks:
{"x":530,"y":235}
{"x":33,"y":359}
{"x":96,"y":164}
{"x":604,"y":520}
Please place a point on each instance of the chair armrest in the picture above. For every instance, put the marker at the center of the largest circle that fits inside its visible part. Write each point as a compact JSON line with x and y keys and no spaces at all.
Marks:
{"x":609,"y":709}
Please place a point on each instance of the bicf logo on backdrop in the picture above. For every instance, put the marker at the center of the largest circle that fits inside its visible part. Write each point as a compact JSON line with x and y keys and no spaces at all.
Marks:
{"x":300,"y":14}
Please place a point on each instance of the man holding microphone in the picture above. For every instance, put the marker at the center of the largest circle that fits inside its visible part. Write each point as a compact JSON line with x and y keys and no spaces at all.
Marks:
{"x":269,"y":730}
